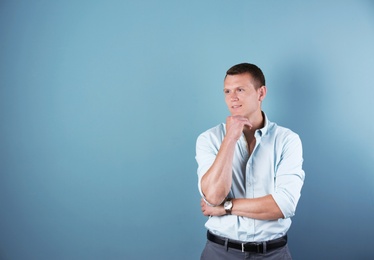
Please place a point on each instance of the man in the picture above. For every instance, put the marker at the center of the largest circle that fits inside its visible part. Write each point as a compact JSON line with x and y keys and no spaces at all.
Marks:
{"x":250,"y":175}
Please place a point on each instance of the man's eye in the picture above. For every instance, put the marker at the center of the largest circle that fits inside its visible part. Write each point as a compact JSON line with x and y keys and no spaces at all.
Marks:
{"x":240,"y":90}
{"x":226,"y":91}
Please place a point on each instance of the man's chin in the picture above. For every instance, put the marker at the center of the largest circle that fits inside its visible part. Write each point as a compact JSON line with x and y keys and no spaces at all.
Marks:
{"x":233,"y":113}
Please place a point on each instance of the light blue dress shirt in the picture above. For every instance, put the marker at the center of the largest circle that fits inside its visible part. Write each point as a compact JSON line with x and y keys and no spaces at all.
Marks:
{"x":274,"y":167}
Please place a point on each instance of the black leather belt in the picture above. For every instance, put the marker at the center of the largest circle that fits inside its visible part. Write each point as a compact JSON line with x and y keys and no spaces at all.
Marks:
{"x":253,"y":247}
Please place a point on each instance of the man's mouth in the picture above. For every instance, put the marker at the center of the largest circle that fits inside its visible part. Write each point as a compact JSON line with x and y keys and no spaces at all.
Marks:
{"x":236,"y":106}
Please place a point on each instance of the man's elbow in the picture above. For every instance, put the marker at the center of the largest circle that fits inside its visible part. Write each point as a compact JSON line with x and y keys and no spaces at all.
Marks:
{"x":213,"y":198}
{"x":286,"y":206}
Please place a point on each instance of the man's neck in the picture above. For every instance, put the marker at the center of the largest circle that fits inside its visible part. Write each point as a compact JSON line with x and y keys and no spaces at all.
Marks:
{"x":257,"y":123}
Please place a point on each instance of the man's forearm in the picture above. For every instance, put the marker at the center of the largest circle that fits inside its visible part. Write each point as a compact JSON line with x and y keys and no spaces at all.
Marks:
{"x":264,"y":208}
{"x":216,"y":183}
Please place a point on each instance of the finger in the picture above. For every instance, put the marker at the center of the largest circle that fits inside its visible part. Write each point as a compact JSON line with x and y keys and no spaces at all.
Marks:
{"x":248,"y":124}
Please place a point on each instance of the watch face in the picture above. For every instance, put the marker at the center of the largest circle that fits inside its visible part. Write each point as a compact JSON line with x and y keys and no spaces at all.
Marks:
{"x":228,"y":204}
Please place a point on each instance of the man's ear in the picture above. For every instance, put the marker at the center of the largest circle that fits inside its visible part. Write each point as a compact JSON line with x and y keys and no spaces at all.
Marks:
{"x":262,"y":93}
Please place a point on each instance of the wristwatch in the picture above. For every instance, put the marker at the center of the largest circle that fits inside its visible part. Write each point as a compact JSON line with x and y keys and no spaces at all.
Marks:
{"x":228,"y":206}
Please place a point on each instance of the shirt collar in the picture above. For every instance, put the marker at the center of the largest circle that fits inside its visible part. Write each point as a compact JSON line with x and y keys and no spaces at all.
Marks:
{"x":262,"y":131}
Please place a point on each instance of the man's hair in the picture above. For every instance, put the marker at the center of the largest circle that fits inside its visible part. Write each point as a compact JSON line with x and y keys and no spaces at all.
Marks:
{"x":252,"y":69}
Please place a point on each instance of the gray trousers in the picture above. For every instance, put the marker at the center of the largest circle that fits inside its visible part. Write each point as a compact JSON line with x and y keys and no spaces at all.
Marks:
{"x":213,"y":251}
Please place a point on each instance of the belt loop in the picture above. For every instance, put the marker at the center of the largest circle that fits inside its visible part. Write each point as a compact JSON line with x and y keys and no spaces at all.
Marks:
{"x":227,"y":244}
{"x":263,"y":247}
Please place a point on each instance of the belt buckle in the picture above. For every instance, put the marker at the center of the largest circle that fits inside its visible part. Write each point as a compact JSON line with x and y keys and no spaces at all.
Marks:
{"x":257,"y":245}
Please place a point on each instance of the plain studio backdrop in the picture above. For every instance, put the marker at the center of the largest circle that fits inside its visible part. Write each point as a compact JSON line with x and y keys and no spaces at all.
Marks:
{"x":101,"y":103}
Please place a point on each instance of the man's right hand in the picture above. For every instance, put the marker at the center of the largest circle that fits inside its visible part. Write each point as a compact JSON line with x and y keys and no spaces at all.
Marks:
{"x":235,"y":126}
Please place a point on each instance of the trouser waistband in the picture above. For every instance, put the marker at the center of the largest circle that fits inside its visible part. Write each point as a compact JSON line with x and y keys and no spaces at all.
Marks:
{"x":254,"y":247}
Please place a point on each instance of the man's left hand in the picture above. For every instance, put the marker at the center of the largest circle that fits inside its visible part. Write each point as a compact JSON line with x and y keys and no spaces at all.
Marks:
{"x":212,"y":211}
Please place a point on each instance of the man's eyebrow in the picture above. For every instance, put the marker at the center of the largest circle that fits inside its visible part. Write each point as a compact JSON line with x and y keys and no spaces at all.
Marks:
{"x":235,"y":87}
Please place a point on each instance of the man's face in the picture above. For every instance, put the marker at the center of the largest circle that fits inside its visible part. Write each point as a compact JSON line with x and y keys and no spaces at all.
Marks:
{"x":241,"y":96}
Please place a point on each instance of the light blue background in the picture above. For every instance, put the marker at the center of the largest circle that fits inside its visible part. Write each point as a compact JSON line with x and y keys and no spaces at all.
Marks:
{"x":101,"y":103}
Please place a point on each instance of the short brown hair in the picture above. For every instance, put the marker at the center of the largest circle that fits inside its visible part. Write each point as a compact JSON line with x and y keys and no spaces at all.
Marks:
{"x":252,"y":69}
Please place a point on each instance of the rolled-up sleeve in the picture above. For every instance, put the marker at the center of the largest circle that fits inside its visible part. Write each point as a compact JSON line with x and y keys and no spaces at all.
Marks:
{"x":207,"y":146}
{"x":289,"y":175}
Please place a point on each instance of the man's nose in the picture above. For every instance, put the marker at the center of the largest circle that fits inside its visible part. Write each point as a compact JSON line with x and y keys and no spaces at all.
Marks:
{"x":233,"y":96}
